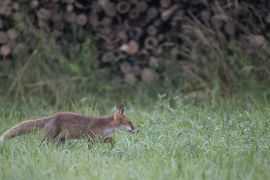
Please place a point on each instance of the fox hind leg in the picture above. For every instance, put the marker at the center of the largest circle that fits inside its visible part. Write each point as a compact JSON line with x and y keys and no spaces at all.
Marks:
{"x":51,"y":134}
{"x":109,"y":140}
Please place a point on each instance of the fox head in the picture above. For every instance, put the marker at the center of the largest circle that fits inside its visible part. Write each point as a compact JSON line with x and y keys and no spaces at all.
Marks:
{"x":123,"y":120}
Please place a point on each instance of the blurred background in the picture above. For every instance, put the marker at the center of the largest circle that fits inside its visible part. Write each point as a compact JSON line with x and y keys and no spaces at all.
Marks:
{"x":57,"y":51}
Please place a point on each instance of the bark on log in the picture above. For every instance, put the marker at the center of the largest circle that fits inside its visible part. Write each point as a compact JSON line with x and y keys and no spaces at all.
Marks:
{"x":141,"y":6}
{"x":151,"y":30}
{"x":134,"y":13}
{"x":123,"y":7}
{"x":110,"y":9}
{"x":150,"y":42}
{"x":131,"y":47}
{"x":108,"y":57}
{"x":167,"y":14}
{"x":135,"y":33}
{"x":12,"y":34}
{"x":152,"y":13}
{"x":44,"y":14}
{"x":164,"y":3}
{"x":3,"y":37}
{"x":81,"y":20}
{"x":5,"y":50}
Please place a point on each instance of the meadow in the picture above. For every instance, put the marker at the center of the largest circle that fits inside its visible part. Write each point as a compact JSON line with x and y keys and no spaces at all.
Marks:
{"x":224,"y":139}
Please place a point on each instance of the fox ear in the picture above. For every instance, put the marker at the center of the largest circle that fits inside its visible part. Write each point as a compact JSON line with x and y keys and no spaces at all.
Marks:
{"x":121,"y":109}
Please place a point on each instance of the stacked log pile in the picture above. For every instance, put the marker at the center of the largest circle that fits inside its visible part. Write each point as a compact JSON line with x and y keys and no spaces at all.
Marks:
{"x":23,"y":23}
{"x":143,"y":35}
{"x":136,"y":37}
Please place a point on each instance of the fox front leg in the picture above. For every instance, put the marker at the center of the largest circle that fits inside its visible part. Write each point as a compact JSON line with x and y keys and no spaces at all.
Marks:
{"x":109,"y":140}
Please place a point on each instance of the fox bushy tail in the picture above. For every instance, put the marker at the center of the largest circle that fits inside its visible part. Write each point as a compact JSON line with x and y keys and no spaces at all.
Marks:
{"x":24,"y":127}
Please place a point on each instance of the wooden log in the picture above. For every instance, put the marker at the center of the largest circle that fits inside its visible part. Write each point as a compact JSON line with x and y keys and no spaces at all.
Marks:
{"x":257,"y":40}
{"x":15,"y":6}
{"x":44,"y":14}
{"x":136,"y":70}
{"x":132,"y":47}
{"x":125,"y":67}
{"x":165,"y":3}
{"x":167,"y":14}
{"x":108,"y":57}
{"x":152,"y":13}
{"x":144,"y":53}
{"x":12,"y":34}
{"x":68,"y":1}
{"x":134,"y":13}
{"x":56,"y":33}
{"x":5,"y":50}
{"x":5,"y":3}
{"x":123,"y":7}
{"x":69,"y":8}
{"x":205,"y":15}
{"x":141,"y":6}
{"x":158,"y":50}
{"x":121,"y":37}
{"x":82,"y":5}
{"x":70,"y":17}
{"x":81,"y":20}
{"x":106,"y":21}
{"x":103,"y":3}
{"x":133,"y":1}
{"x":34,"y":4}
{"x":127,"y":23}
{"x":160,"y":37}
{"x":5,"y":11}
{"x":150,"y":42}
{"x":5,"y":7}
{"x":149,"y":75}
{"x":120,"y":56}
{"x":157,"y":23}
{"x":135,"y":33}
{"x":267,"y":18}
{"x":57,"y":17}
{"x":3,"y":37}
{"x":218,"y":20}
{"x":109,"y":46}
{"x":110,"y":9}
{"x":130,"y":23}
{"x":130,"y":78}
{"x":151,"y":30}
{"x":93,"y":20}
{"x":54,"y":7}
{"x":17,"y":16}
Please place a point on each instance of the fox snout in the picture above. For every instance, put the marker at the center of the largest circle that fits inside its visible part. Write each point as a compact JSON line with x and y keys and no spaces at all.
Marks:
{"x":131,"y":129}
{"x":135,"y":130}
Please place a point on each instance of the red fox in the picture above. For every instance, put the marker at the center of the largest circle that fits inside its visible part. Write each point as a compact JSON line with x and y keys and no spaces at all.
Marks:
{"x":67,"y":125}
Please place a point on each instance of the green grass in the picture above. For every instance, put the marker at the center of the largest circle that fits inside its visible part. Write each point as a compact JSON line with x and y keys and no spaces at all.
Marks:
{"x":228,"y":139}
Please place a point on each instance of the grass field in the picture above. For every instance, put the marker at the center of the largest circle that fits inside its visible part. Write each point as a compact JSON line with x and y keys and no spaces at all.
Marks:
{"x":229,"y":139}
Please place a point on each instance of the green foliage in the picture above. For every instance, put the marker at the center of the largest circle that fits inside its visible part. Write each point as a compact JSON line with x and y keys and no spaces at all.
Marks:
{"x":227,"y":139}
{"x":59,"y":79}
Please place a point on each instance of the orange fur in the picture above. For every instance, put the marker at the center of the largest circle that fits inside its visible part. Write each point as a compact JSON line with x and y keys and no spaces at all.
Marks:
{"x":67,"y":125}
